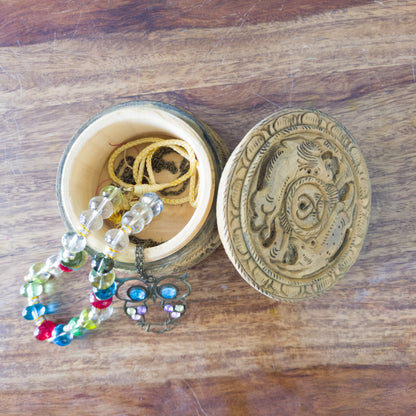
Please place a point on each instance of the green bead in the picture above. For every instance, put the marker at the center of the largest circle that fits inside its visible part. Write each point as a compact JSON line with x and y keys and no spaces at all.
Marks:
{"x":113,"y":193}
{"x":31,"y":290}
{"x":74,"y":328}
{"x":85,"y":321}
{"x":102,"y":281}
{"x":179,"y":308}
{"x":38,"y":273}
{"x":77,"y":262}
{"x":131,"y":311}
{"x":101,"y":263}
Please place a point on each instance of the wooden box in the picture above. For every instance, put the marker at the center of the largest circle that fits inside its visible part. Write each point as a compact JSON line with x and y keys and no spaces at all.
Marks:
{"x":292,"y":204}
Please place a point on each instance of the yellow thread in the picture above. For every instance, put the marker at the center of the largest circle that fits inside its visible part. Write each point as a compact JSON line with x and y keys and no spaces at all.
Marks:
{"x":86,"y":229}
{"x":128,"y":226}
{"x":39,"y":317}
{"x":111,"y":249}
{"x":125,"y":231}
{"x":38,"y":323}
{"x":144,"y":160}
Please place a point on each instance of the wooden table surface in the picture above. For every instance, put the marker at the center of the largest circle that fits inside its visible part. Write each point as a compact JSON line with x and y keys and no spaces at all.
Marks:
{"x":351,"y":351}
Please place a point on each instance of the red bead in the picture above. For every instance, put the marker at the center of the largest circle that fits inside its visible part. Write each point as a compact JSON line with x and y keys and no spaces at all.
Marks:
{"x":64,"y":268}
{"x":44,"y":330}
{"x":99,"y":304}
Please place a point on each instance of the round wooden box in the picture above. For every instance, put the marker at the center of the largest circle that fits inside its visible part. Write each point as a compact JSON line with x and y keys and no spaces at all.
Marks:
{"x":185,"y":235}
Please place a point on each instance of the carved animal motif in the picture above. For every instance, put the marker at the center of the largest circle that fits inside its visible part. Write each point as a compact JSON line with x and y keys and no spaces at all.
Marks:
{"x":302,"y":209}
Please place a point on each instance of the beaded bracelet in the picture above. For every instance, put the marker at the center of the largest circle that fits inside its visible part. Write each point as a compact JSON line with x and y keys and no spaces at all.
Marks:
{"x":72,"y":256}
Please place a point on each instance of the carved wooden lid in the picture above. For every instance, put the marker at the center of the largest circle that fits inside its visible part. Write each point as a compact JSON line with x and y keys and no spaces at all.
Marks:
{"x":294,"y":203}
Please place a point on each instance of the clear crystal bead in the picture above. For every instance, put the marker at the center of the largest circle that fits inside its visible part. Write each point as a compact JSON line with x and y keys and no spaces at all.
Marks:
{"x":100,"y":315}
{"x":116,"y":239}
{"x":73,"y":242}
{"x":94,"y":313}
{"x":144,"y":210}
{"x":52,"y":266}
{"x":134,"y":220}
{"x":66,"y":255}
{"x":103,"y":205}
{"x":105,"y":313}
{"x":154,"y":201}
{"x":91,"y":220}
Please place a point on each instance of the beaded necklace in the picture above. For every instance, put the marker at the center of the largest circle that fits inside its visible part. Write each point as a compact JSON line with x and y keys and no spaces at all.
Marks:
{"x":136,"y":174}
{"x":72,"y":256}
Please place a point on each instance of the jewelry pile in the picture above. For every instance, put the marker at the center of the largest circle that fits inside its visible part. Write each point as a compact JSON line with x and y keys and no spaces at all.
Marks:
{"x":72,"y":256}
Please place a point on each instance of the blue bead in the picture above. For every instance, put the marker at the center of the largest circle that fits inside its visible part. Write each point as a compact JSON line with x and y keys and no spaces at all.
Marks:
{"x":105,"y":294}
{"x":61,"y":337}
{"x":137,"y":293}
{"x":33,"y":311}
{"x":168,"y":291}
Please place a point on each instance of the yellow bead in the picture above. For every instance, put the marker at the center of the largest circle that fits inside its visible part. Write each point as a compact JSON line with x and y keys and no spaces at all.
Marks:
{"x":102,"y":281}
{"x":116,"y":218}
{"x":85,"y":321}
{"x":113,"y":193}
{"x":38,"y":273}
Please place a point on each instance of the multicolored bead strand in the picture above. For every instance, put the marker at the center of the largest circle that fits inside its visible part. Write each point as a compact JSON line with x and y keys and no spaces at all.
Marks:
{"x":72,"y":256}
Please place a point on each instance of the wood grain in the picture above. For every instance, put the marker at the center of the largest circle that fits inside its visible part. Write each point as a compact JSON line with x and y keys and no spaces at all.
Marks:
{"x":36,"y":23}
{"x":351,"y":351}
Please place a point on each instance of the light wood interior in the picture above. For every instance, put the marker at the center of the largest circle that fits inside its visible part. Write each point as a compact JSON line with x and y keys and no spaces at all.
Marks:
{"x":84,"y":172}
{"x":173,"y":218}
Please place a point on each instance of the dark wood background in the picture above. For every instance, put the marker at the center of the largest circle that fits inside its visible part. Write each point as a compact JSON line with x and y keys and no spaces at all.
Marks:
{"x":349,"y":352}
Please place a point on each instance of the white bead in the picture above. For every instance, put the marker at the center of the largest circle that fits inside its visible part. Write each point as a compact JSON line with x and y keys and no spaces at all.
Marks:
{"x":105,"y":313}
{"x":52,"y":266}
{"x":94,"y":313}
{"x":66,"y":255}
{"x":91,"y":220}
{"x":144,"y":210}
{"x":73,"y":242}
{"x":118,"y":240}
{"x":100,"y":315}
{"x":103,"y":205}
{"x":154,"y":201}
{"x":133,"y":220}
